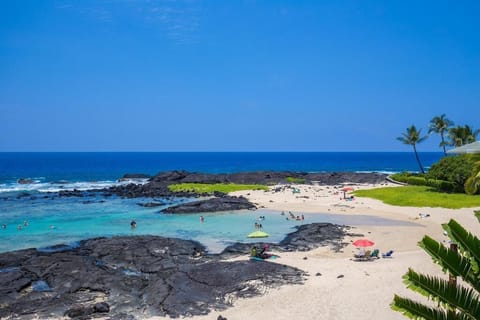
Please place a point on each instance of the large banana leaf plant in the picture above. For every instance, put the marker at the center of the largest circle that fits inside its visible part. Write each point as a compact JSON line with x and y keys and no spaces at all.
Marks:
{"x":453,"y":301}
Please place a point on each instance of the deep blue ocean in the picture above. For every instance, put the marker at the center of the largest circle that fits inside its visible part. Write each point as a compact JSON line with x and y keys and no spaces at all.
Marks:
{"x":109,"y":166}
{"x":35,"y":217}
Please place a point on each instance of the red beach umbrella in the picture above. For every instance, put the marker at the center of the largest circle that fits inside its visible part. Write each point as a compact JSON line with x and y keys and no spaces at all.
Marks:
{"x":345,"y":189}
{"x":363,"y":243}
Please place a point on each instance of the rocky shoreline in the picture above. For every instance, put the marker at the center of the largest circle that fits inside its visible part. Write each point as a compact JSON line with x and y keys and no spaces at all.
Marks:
{"x":158,"y":186}
{"x":142,"y":276}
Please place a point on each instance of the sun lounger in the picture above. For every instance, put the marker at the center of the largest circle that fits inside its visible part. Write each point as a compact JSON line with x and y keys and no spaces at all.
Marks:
{"x":387,"y":254}
{"x":368,"y":256}
{"x":374,"y":254}
{"x":362,"y":256}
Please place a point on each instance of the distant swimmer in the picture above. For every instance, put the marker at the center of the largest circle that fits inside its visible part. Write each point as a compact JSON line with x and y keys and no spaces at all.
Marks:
{"x":52,"y":226}
{"x":202,"y":219}
{"x":25,"y":223}
{"x":19,"y":227}
{"x":133,"y":224}
{"x":4,"y":226}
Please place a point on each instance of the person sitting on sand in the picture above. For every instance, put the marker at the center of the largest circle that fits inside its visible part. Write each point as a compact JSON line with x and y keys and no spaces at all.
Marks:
{"x":253,"y":251}
{"x":262,"y":254}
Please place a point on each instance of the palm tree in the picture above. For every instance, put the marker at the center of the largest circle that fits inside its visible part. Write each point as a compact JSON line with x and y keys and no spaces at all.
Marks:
{"x":440,"y":125}
{"x":453,"y":301}
{"x":413,"y":137}
{"x":462,"y":135}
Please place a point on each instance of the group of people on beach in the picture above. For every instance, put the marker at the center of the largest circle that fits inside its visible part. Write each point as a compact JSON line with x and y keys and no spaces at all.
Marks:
{"x":293,"y":217}
{"x":262,"y":254}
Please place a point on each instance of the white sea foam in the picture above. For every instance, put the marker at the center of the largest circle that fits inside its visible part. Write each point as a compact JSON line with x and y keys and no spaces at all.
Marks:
{"x":64,"y":185}
{"x":382,"y":172}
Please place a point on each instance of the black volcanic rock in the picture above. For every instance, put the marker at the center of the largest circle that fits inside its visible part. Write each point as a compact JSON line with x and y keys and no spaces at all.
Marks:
{"x":25,"y":181}
{"x":140,"y":277}
{"x":133,"y":176}
{"x":224,"y":203}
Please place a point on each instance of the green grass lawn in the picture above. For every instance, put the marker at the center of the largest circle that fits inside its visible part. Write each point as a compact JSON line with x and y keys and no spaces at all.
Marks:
{"x":211,"y":188}
{"x":295,"y":180}
{"x":420,"y":196}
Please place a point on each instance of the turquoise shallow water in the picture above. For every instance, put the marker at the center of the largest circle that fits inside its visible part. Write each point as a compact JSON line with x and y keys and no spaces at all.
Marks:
{"x":67,"y":220}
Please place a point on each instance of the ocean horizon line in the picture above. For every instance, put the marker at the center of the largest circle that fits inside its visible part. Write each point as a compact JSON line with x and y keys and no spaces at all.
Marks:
{"x":10,"y":152}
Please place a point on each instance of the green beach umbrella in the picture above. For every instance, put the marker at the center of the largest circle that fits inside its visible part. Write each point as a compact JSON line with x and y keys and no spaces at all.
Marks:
{"x":258,"y":234}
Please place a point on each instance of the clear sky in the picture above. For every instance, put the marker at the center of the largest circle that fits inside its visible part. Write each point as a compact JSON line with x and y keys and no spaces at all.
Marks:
{"x":193,"y":75}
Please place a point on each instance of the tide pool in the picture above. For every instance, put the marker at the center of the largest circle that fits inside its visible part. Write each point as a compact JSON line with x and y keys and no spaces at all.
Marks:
{"x":52,"y":221}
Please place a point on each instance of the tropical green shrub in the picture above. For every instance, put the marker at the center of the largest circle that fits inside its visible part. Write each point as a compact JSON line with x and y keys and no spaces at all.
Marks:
{"x":472,"y":185}
{"x":443,"y":186}
{"x":454,"y":169}
{"x":402,"y":176}
{"x":453,"y":300}
{"x":421,"y":180}
{"x":417,"y":181}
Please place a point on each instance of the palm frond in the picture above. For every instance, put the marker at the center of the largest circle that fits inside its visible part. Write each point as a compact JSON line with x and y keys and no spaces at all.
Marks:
{"x":448,"y":259}
{"x":477,"y":215}
{"x":444,"y":292}
{"x":414,"y":310}
{"x":468,"y":243}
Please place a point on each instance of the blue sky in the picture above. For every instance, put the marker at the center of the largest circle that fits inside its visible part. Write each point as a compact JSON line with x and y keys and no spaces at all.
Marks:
{"x":192,"y":75}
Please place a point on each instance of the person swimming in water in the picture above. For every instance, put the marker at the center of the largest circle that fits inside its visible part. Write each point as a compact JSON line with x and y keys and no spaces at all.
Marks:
{"x":133,"y":224}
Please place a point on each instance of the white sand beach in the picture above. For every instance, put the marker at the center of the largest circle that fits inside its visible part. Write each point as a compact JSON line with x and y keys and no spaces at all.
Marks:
{"x":338,"y":287}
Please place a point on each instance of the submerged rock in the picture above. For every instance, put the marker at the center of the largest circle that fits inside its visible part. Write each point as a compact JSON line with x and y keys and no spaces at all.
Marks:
{"x":25,"y":181}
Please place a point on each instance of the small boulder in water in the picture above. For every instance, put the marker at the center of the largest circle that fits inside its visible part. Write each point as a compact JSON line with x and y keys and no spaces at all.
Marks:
{"x":25,"y":181}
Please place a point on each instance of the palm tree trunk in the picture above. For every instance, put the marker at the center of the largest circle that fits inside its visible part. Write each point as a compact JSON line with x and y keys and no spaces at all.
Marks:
{"x":418,"y":159}
{"x":443,"y":145}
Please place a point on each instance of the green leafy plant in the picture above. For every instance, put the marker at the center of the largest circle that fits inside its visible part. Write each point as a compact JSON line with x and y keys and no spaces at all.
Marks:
{"x":472,"y":185}
{"x":455,"y":169}
{"x":453,"y":301}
